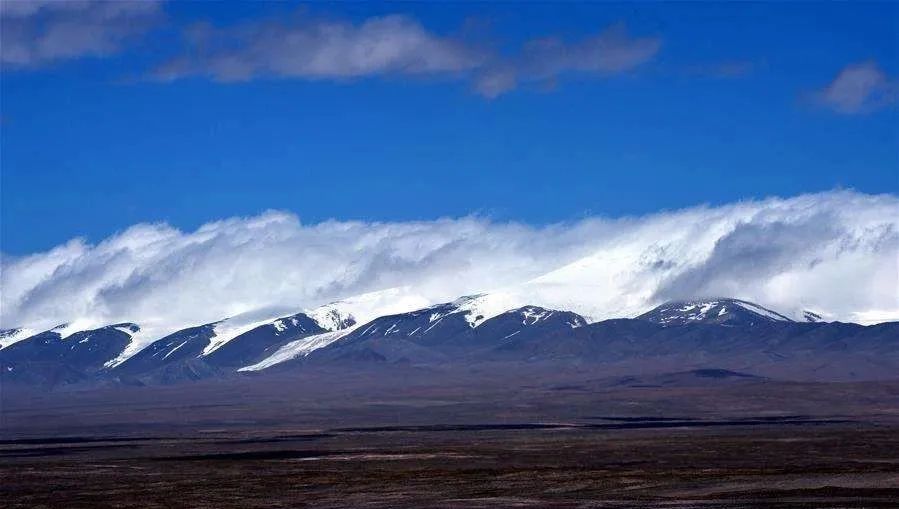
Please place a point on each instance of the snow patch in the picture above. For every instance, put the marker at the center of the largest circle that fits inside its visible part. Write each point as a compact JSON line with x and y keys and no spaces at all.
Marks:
{"x":12,"y":336}
{"x":482,"y":307}
{"x":434,"y":324}
{"x":228,"y":329}
{"x":173,"y":350}
{"x":510,"y":335}
{"x":532,"y":315}
{"x":299,"y":348}
{"x":67,"y":329}
{"x":759,"y":310}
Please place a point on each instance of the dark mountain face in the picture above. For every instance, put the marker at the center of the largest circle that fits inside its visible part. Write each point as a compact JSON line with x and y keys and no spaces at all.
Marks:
{"x":582,"y":344}
{"x":427,"y":326}
{"x":49,"y":359}
{"x":518,"y":327}
{"x":717,"y":311}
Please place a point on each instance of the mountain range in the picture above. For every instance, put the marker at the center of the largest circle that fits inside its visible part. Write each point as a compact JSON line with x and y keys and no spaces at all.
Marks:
{"x":378,"y":331}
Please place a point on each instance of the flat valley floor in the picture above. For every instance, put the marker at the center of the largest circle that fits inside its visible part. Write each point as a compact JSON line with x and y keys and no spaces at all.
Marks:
{"x":421,"y":440}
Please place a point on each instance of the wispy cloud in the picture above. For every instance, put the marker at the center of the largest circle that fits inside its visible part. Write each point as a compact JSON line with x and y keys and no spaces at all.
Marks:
{"x":611,"y":51}
{"x":306,"y":48}
{"x":36,"y":33}
{"x":831,"y":252}
{"x":859,"y":88}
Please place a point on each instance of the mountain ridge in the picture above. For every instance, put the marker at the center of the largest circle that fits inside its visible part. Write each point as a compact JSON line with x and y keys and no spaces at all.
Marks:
{"x":467,"y":330}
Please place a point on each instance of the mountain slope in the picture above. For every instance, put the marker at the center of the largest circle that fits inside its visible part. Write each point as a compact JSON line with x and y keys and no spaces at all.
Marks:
{"x":515,"y":326}
{"x":262,"y":341}
{"x":180,"y":348}
{"x":404,"y":336}
{"x":213,"y":349}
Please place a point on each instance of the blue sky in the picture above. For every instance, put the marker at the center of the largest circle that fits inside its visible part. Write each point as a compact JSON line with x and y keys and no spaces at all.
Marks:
{"x":603,"y":109}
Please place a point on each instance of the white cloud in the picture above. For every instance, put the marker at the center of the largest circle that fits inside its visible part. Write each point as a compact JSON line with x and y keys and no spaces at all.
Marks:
{"x":41,"y":32}
{"x":320,"y":49}
{"x":832,"y":252}
{"x":859,"y":88}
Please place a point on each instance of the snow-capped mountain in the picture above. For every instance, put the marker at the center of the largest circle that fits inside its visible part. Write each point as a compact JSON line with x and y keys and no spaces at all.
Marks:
{"x":339,"y":319}
{"x":521,"y":325}
{"x":262,"y":341}
{"x":399,"y":326}
{"x":531,"y":317}
{"x":216,"y":333}
{"x":444,"y":324}
{"x":184,"y":345}
{"x":268,"y":328}
{"x":438,"y":321}
{"x":425,"y":334}
{"x":55,"y":355}
{"x":442,"y":333}
{"x":202,"y":351}
{"x":716,"y":311}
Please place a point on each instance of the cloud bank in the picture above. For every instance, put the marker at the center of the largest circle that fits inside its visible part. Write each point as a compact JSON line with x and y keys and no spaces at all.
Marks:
{"x":834,"y":253}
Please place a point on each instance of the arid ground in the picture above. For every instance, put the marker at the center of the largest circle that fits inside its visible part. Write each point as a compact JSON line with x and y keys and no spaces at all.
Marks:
{"x":426,"y":440}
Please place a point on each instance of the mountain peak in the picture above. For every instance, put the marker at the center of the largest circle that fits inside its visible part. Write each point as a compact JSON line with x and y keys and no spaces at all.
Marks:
{"x":810,"y":316}
{"x":722,"y":311}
